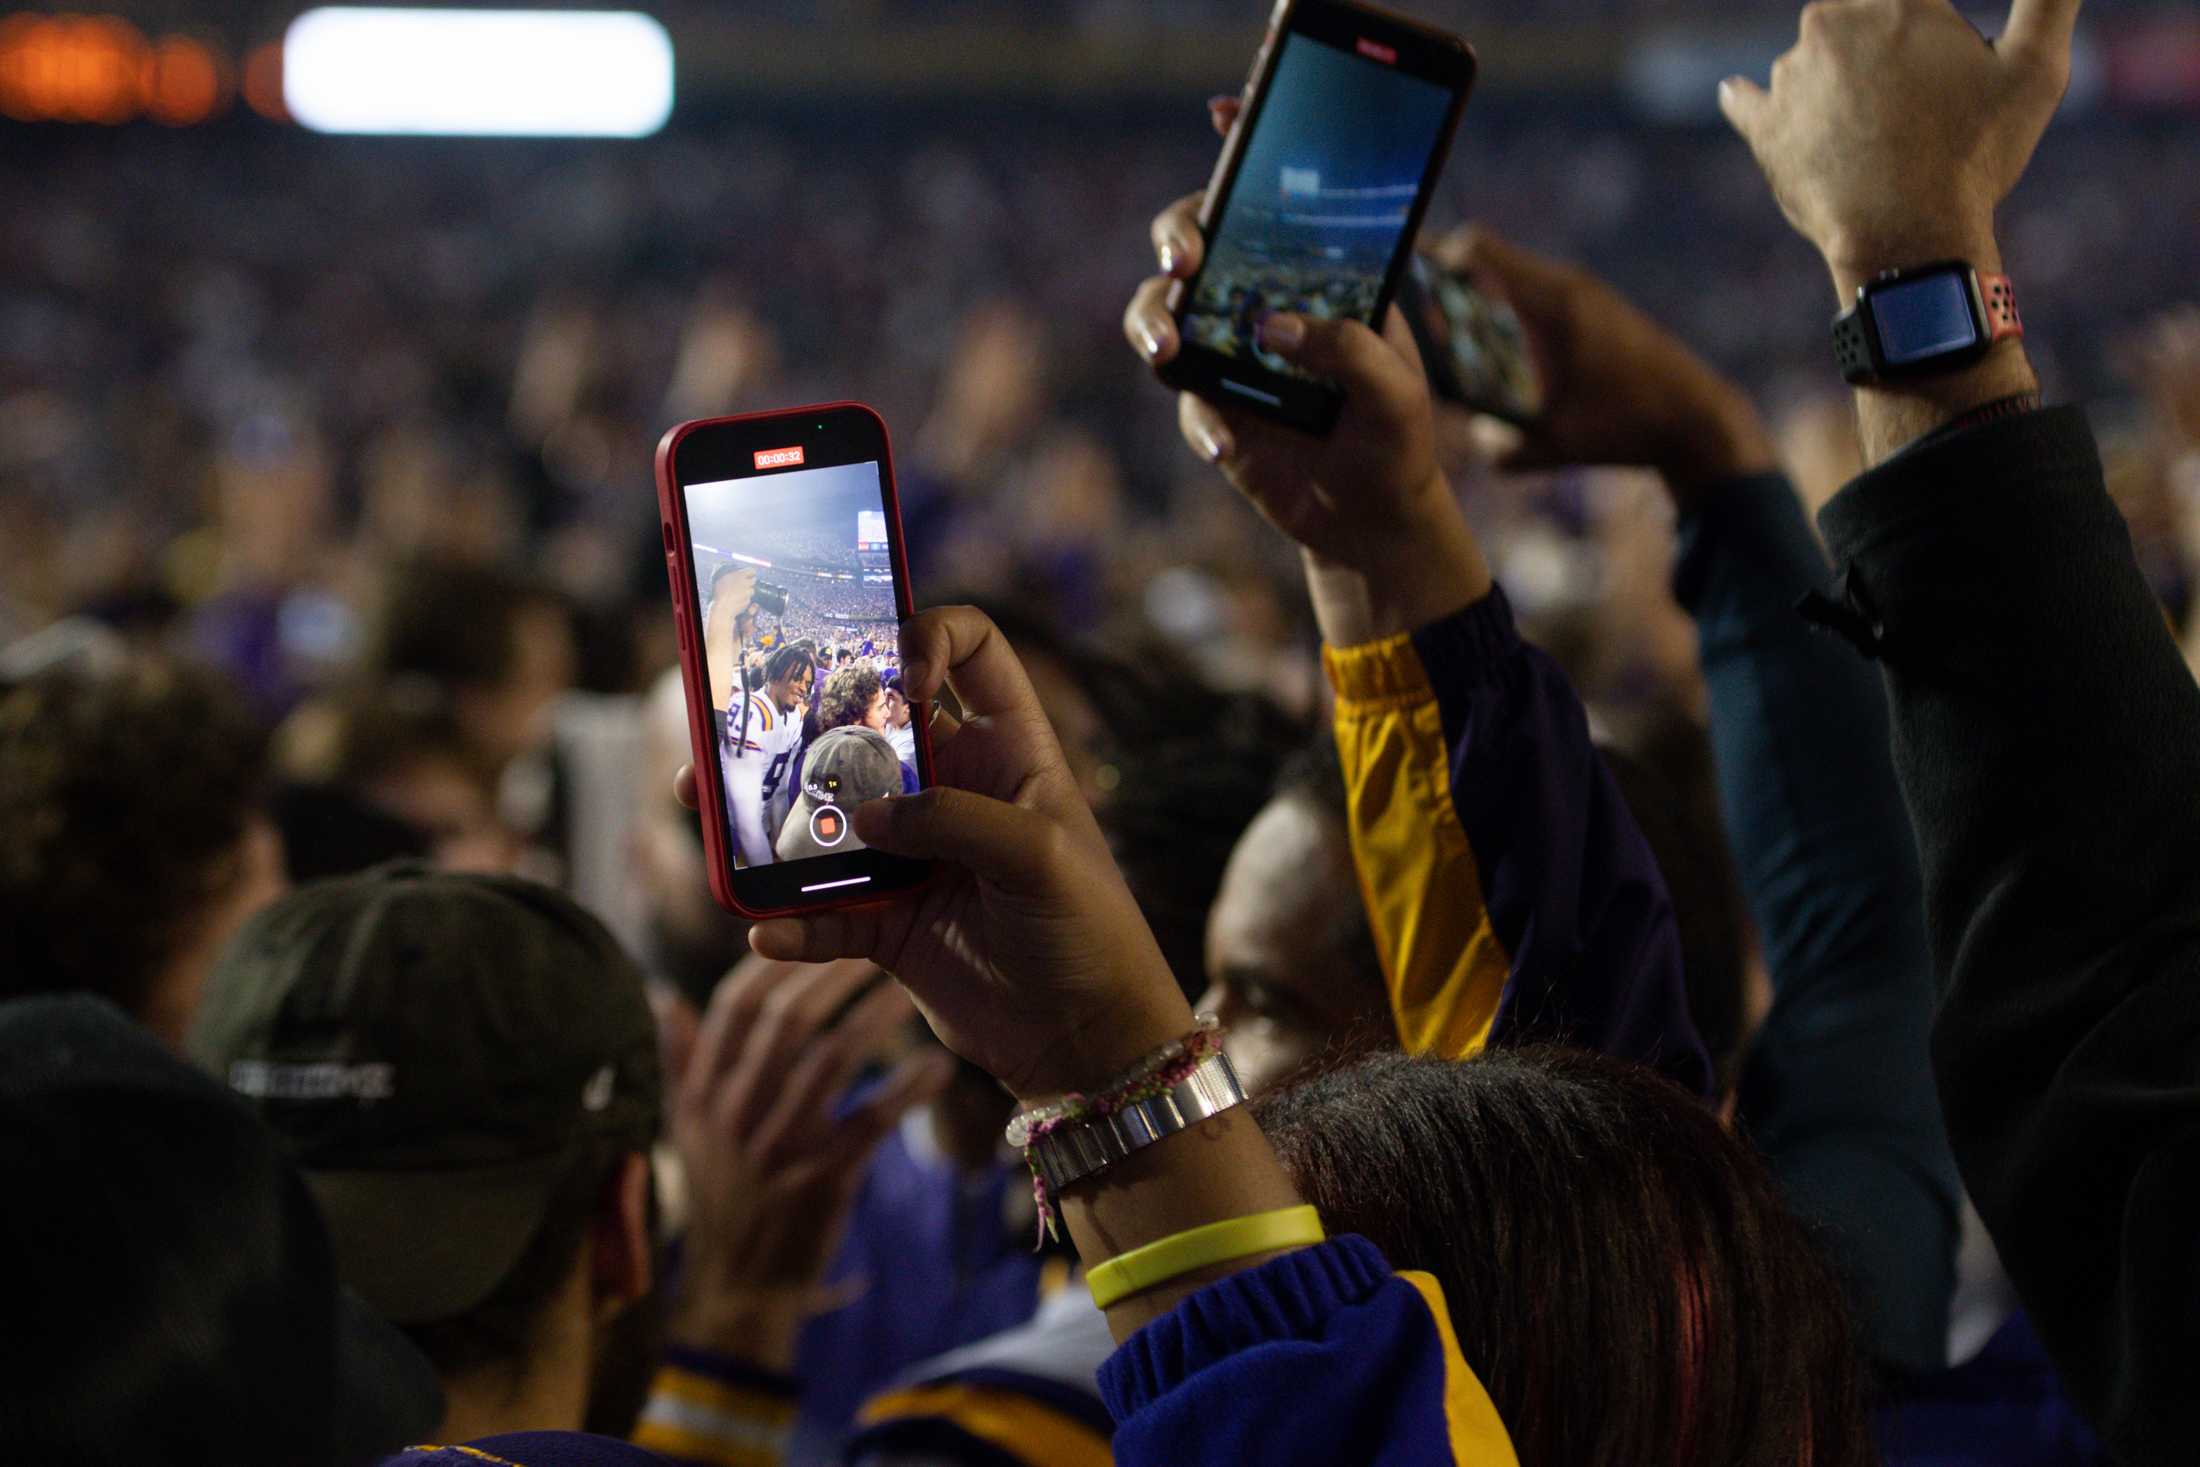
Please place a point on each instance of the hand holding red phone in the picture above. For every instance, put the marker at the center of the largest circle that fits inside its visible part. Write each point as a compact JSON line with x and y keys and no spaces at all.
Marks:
{"x":1025,"y":953}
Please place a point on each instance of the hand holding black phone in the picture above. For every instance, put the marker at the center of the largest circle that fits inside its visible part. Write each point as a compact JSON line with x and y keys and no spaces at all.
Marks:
{"x":1317,"y":197}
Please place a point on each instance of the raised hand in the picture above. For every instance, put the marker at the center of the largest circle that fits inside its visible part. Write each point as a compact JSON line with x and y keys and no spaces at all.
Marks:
{"x":772,"y":1163}
{"x":1025,"y":953}
{"x":1893,"y":128}
{"x":1368,"y":503}
{"x":1618,"y":387}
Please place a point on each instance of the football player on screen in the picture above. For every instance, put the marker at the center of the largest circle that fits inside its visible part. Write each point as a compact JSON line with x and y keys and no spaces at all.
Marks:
{"x":757,"y":741}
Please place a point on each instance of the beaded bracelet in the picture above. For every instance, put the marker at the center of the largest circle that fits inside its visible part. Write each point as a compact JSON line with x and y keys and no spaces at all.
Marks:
{"x":1156,"y":1074}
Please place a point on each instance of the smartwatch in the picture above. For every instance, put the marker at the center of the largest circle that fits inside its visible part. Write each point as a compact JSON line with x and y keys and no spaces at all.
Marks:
{"x":1915,"y":323}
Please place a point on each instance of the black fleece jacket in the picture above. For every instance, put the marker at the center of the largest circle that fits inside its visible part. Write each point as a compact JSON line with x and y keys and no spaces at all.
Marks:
{"x":2047,"y":735}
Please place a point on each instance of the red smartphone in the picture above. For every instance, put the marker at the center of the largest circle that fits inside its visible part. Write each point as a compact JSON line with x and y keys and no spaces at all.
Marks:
{"x":789,"y":586}
{"x":1316,"y":198}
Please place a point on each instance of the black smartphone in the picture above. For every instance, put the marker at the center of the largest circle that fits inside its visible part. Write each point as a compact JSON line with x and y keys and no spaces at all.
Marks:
{"x":1474,"y":345}
{"x":789,"y":586}
{"x":1317,"y":197}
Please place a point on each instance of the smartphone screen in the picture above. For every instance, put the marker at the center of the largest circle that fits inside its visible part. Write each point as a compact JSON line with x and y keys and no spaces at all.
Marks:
{"x":1473,"y":343}
{"x":1330,"y":180}
{"x":798,"y":601}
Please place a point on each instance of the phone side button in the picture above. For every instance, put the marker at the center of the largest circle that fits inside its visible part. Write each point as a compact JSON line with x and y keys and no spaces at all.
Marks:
{"x":680,"y":621}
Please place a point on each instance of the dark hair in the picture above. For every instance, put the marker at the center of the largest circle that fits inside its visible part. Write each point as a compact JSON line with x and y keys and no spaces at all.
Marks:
{"x":452,"y":622}
{"x":500,"y":1333}
{"x":1179,"y":807}
{"x":786,"y":661}
{"x":1621,"y":1273}
{"x":124,"y":800}
{"x":847,"y":697}
{"x":1665,"y":773}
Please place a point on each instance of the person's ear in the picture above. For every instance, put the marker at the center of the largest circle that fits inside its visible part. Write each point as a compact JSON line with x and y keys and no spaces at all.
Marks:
{"x":620,"y":1249}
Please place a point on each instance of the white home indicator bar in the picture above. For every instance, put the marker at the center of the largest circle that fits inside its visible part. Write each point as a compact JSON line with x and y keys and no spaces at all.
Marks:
{"x":829,"y":885}
{"x":478,"y":73}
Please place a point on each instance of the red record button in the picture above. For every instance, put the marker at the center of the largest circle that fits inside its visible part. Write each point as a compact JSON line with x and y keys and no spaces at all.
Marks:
{"x":828,"y":827}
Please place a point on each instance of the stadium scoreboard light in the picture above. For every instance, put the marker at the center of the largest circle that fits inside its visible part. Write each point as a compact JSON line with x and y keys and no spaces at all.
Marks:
{"x":102,"y":69}
{"x":478,"y":73}
{"x":383,"y":70}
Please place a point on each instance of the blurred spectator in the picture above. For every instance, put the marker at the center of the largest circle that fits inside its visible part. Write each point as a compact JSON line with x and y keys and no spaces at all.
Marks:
{"x":434,"y":1046}
{"x":134,"y":838}
{"x":490,"y":650}
{"x":186,"y":1310}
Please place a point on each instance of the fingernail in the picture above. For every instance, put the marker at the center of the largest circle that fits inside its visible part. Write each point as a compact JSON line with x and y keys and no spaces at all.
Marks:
{"x":1214,"y":442}
{"x":1282,"y":332}
{"x":1220,"y":100}
{"x":1149,"y":341}
{"x":1169,"y":256}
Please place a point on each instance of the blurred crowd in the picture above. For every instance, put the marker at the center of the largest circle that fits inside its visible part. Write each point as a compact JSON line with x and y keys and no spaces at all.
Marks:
{"x":328,"y":539}
{"x":232,"y":412}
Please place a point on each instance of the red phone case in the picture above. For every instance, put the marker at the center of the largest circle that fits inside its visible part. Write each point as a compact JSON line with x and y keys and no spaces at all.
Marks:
{"x":702,"y":737}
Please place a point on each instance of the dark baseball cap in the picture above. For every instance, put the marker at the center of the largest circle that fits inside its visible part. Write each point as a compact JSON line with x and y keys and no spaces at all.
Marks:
{"x":439,"y":1050}
{"x":178,"y":1299}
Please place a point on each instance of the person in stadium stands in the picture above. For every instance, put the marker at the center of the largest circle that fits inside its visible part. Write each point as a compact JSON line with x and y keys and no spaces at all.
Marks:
{"x":760,"y":732}
{"x":1835,"y":1087}
{"x":1293,"y":972}
{"x":404,"y":757}
{"x":1479,"y":1190}
{"x":1028,"y":957}
{"x":938,"y":1243}
{"x":495,"y":648}
{"x":435,"y":1045}
{"x":2046,"y":731}
{"x":1853,"y":1152}
{"x":169,"y":1282}
{"x":133,"y":835}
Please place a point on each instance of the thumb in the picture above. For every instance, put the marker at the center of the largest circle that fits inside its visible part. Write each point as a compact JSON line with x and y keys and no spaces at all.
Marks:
{"x":2039,"y":32}
{"x":998,"y":841}
{"x":1344,"y":350}
{"x":1748,"y":107}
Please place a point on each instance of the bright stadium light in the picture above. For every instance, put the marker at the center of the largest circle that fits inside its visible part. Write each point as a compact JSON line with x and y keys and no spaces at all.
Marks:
{"x":478,"y":73}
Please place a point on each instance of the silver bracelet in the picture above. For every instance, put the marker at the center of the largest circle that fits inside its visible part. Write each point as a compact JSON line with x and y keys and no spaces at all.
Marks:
{"x":1075,"y":1152}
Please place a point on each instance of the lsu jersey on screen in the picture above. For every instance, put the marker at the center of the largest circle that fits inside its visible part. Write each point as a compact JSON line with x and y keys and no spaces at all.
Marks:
{"x":766,"y":742}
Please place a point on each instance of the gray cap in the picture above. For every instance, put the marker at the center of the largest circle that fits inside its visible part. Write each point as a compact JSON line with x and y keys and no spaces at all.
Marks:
{"x":843,"y":769}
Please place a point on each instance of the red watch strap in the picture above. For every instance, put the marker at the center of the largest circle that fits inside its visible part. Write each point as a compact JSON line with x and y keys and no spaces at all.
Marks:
{"x":2001,"y":306}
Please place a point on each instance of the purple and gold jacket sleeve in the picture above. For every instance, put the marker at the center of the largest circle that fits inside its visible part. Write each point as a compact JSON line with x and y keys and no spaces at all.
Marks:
{"x":1511,"y":893}
{"x":1320,"y":1358}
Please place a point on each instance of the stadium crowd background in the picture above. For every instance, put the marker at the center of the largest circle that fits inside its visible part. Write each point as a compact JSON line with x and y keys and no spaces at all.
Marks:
{"x":248,"y":358}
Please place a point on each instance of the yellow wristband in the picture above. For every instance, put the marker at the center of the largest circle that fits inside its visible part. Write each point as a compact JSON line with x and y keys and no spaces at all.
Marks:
{"x":1187,"y":1252}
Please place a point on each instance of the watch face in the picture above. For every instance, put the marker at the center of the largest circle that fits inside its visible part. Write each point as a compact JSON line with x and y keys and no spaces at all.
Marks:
{"x":1919,"y":320}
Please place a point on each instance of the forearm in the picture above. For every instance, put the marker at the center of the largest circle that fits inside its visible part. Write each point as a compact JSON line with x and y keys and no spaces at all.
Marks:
{"x":2048,"y":739}
{"x":1402,"y":577}
{"x":1507,"y":882}
{"x":1839,"y":1090}
{"x":1220,"y":1169}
